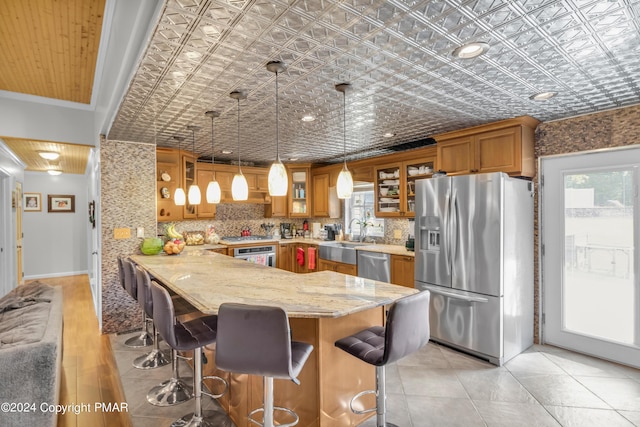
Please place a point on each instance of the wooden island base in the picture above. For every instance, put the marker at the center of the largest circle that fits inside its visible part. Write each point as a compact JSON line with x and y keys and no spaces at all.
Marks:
{"x":328,"y":381}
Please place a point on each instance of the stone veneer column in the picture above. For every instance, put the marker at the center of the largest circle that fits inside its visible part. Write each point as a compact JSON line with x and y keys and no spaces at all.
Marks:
{"x":127,"y":200}
{"x":613,"y":128}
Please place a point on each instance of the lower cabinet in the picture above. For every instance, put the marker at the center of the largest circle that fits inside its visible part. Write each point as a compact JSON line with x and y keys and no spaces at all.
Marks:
{"x":402,"y":270}
{"x":291,"y":259}
{"x":338,"y":267}
{"x":284,"y":258}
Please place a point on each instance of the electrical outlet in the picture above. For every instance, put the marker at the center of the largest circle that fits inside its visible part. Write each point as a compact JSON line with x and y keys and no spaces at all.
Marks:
{"x":140,"y":232}
{"x":121,"y":233}
{"x":397,"y":234}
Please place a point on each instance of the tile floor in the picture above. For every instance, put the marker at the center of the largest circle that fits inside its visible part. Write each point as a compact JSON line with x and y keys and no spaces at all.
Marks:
{"x":437,"y":386}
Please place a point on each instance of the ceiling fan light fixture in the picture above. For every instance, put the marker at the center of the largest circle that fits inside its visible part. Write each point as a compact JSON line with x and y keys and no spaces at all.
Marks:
{"x":49,"y":155}
{"x":543,"y":96}
{"x":344,"y":186}
{"x":239,"y":185}
{"x":278,"y":180}
{"x":471,"y":50}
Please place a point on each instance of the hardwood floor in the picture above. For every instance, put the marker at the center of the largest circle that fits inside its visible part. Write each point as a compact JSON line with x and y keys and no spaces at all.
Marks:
{"x":89,"y":372}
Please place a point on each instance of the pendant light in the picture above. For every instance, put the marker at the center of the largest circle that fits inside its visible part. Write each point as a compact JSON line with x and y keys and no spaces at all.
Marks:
{"x":345,"y":181}
{"x":239,"y":186}
{"x":193,"y":195}
{"x":179,"y":197}
{"x":213,"y":188}
{"x":278,"y":181}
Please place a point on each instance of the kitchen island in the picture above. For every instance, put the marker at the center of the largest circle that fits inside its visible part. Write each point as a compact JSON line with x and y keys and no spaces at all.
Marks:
{"x":322,"y":308}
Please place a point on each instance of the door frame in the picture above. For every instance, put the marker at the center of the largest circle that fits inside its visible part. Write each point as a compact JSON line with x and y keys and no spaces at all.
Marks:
{"x":541,"y":247}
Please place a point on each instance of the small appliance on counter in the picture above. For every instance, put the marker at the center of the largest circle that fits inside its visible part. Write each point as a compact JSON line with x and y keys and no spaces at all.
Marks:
{"x":332,"y":230}
{"x":285,"y":230}
{"x":410,"y":244}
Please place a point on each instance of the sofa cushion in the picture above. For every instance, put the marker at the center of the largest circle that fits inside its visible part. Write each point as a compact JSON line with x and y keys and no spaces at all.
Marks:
{"x":24,"y":314}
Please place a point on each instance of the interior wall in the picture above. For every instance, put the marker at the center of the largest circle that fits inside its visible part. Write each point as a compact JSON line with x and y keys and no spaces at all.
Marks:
{"x":55,"y":243}
{"x":127,"y":200}
{"x":614,"y":128}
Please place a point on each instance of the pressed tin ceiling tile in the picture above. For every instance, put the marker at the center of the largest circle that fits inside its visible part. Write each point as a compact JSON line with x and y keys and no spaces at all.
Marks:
{"x":397,"y":55}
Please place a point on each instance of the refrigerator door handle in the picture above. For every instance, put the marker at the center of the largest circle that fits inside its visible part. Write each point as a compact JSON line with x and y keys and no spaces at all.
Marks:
{"x":454,"y":296}
{"x":445,"y":232}
{"x":455,"y":215}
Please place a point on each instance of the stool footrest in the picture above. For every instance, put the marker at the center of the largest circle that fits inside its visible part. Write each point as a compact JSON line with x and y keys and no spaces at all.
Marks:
{"x":277,"y":408}
{"x":217,"y":378}
{"x":358,"y":396}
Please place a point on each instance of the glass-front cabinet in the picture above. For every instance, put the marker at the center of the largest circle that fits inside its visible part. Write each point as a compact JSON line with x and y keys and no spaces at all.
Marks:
{"x":412,"y":171}
{"x":298,"y":192}
{"x":388,"y":190}
{"x":189,"y":173}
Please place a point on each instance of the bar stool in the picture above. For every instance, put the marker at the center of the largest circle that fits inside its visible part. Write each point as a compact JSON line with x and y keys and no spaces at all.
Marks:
{"x":174,"y":390}
{"x":127,"y":267}
{"x":156,"y":357}
{"x":191,"y":335}
{"x":406,"y":330}
{"x":256,"y":340}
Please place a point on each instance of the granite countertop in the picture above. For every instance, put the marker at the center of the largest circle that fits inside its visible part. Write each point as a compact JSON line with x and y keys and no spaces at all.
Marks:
{"x":207,"y":279}
{"x":387,"y":249}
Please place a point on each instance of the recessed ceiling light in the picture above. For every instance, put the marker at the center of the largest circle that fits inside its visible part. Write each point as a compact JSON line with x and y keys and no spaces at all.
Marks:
{"x":293,"y":159}
{"x":49,"y":155}
{"x":54,"y":172}
{"x":308,"y":118}
{"x":543,"y":96}
{"x":227,"y":151}
{"x":193,"y":55}
{"x":389,"y":135}
{"x":471,"y":50}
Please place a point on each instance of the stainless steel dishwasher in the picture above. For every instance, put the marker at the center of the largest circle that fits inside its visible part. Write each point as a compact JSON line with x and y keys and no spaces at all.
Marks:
{"x":374,"y":265}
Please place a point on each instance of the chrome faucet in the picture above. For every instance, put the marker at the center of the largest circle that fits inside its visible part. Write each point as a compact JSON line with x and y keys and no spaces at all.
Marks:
{"x":363,"y":228}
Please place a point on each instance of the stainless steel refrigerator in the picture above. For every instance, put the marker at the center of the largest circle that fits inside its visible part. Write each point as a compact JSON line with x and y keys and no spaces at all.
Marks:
{"x":474,"y":253}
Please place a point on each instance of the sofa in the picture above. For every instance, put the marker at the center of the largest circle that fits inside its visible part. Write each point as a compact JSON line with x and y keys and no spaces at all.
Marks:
{"x":30,"y":355}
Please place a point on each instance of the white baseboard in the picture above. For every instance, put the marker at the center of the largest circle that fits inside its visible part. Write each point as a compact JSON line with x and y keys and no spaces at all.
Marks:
{"x":66,"y":273}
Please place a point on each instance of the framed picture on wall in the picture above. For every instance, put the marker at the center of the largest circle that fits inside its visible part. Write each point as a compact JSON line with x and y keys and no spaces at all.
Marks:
{"x":62,"y":203}
{"x":32,"y":202}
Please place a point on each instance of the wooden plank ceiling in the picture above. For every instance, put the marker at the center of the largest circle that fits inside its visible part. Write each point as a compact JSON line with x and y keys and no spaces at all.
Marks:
{"x":49,"y":48}
{"x":73,"y":157}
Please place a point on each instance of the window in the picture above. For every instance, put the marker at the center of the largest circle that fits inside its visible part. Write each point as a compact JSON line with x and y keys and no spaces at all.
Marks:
{"x":359,"y":210}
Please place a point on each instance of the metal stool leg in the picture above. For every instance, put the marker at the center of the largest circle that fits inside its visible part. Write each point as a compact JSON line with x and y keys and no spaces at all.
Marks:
{"x":155,"y":358}
{"x":268,"y":408}
{"x":200,"y":418}
{"x":173,"y":391}
{"x":381,"y":398}
{"x":142,"y":340}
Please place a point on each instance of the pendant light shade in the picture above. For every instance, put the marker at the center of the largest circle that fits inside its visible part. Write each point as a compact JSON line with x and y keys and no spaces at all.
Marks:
{"x":194,"y":196}
{"x":278,"y":181}
{"x":213,"y":188}
{"x":344,"y":186}
{"x":239,"y":185}
{"x":179,"y":197}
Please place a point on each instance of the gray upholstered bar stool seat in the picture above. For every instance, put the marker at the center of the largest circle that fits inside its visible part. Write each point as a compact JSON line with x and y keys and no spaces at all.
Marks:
{"x":156,"y":357}
{"x":406,"y":330}
{"x":256,"y":340}
{"x":185,"y":336}
{"x":127,"y":272}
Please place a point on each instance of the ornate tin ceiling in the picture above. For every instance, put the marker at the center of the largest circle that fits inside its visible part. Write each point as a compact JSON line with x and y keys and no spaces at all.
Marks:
{"x":396,"y":54}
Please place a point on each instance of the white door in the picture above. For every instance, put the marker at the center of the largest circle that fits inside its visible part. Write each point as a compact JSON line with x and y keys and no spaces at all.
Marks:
{"x":590,"y":228}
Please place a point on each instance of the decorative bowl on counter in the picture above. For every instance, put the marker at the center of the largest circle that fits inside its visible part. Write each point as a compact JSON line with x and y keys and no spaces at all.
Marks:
{"x":193,"y":238}
{"x":151,"y":246}
{"x":174,"y":247}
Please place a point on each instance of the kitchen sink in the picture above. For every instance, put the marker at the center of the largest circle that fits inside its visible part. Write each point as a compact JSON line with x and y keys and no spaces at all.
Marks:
{"x":344,"y":252}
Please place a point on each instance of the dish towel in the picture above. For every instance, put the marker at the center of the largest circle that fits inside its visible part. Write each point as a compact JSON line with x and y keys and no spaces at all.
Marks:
{"x":311,"y":255}
{"x":300,"y":257}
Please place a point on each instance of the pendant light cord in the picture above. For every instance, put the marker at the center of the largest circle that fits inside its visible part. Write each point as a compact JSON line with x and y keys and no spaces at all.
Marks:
{"x":277,"y":123}
{"x":239,"y":168}
{"x":344,"y":126}
{"x":212,"y":149}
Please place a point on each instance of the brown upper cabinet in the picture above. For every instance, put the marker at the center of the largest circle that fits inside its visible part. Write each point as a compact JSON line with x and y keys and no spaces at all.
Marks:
{"x":167,"y":181}
{"x":505,"y":146}
{"x":299,"y":197}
